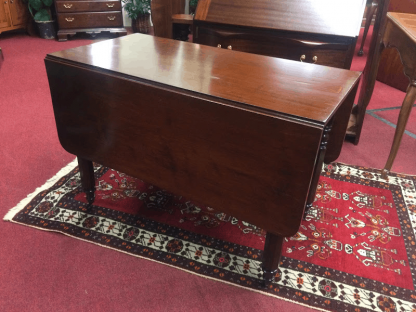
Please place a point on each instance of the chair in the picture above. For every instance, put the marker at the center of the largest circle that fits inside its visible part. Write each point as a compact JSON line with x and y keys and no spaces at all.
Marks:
{"x":169,"y":19}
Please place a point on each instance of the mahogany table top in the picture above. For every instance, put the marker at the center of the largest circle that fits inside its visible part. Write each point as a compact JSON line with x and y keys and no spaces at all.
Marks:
{"x":407,"y":22}
{"x":269,"y":85}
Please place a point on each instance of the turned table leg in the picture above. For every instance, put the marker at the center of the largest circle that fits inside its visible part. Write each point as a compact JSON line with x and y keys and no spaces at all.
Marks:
{"x":86,"y":170}
{"x":271,"y":257}
{"x":405,"y":110}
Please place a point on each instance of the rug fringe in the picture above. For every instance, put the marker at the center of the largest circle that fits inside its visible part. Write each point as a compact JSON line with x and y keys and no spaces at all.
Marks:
{"x":65,"y":170}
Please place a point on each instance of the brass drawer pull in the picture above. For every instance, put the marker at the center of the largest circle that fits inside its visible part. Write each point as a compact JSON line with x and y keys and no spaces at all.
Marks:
{"x":218,"y":46}
{"x":67,"y":6}
{"x":303,"y":57}
{"x":229,"y":47}
{"x":110,"y":5}
{"x":69,"y":19}
{"x":111,"y":18}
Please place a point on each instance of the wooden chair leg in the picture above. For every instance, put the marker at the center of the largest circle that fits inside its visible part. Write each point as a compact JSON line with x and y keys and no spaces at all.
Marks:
{"x":405,"y":110}
{"x":370,"y":13}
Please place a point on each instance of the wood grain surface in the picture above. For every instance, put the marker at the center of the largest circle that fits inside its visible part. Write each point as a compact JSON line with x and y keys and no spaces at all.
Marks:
{"x":331,"y":17}
{"x":252,"y":166}
{"x":243,"y":133}
{"x":269,"y":85}
{"x":162,"y":11}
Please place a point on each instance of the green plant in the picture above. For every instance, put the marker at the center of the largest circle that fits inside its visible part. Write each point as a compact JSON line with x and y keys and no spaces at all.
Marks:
{"x":193,"y":3}
{"x":40,"y":10}
{"x":134,"y":8}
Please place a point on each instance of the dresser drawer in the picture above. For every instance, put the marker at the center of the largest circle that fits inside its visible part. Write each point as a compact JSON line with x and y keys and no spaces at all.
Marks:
{"x":90,"y":20}
{"x":322,"y":53}
{"x":87,"y":6}
{"x":318,"y":53}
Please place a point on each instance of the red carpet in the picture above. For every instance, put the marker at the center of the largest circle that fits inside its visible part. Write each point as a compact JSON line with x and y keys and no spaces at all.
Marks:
{"x":353,"y":252}
{"x":44,"y":272}
{"x":393,"y":115}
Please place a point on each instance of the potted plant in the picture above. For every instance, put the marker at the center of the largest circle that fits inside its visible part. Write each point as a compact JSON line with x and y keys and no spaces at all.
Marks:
{"x":139,"y":12}
{"x":192,"y":6}
{"x":41,"y":13}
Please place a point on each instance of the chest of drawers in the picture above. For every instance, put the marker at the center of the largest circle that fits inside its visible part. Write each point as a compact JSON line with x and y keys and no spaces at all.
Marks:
{"x":322,"y":32}
{"x":92,"y":17}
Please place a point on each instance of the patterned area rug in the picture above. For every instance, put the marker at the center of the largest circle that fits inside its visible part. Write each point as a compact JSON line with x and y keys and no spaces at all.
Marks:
{"x":354,"y":252}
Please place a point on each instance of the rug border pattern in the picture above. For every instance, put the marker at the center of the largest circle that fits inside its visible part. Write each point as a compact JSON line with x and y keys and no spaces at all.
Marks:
{"x":288,"y":275}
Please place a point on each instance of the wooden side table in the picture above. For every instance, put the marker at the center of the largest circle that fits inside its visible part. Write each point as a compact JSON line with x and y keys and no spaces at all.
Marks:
{"x":398,"y":32}
{"x":401,"y":34}
{"x":390,"y":71}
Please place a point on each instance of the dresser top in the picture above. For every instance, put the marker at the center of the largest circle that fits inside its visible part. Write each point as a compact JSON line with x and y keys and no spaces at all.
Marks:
{"x":265,"y":84}
{"x":328,"y":17}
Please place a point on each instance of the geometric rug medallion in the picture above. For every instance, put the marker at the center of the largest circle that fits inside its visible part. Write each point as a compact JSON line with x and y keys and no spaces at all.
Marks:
{"x":355,"y":250}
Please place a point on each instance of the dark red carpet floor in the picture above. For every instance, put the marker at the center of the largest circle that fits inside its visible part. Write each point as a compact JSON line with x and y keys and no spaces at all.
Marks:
{"x":42,"y":271}
{"x":392,"y":115}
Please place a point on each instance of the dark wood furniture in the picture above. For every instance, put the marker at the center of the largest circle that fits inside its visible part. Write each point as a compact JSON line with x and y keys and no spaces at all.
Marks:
{"x":369,"y":75}
{"x":244,"y":133}
{"x":181,"y":26}
{"x":91,"y":16}
{"x":169,"y":19}
{"x":400,"y":33}
{"x":391,"y":70}
{"x":371,"y":8}
{"x":322,"y":32}
{"x":13,"y":15}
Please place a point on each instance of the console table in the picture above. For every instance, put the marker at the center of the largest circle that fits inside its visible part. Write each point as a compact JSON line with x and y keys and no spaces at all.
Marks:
{"x":398,"y":31}
{"x":244,"y":133}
